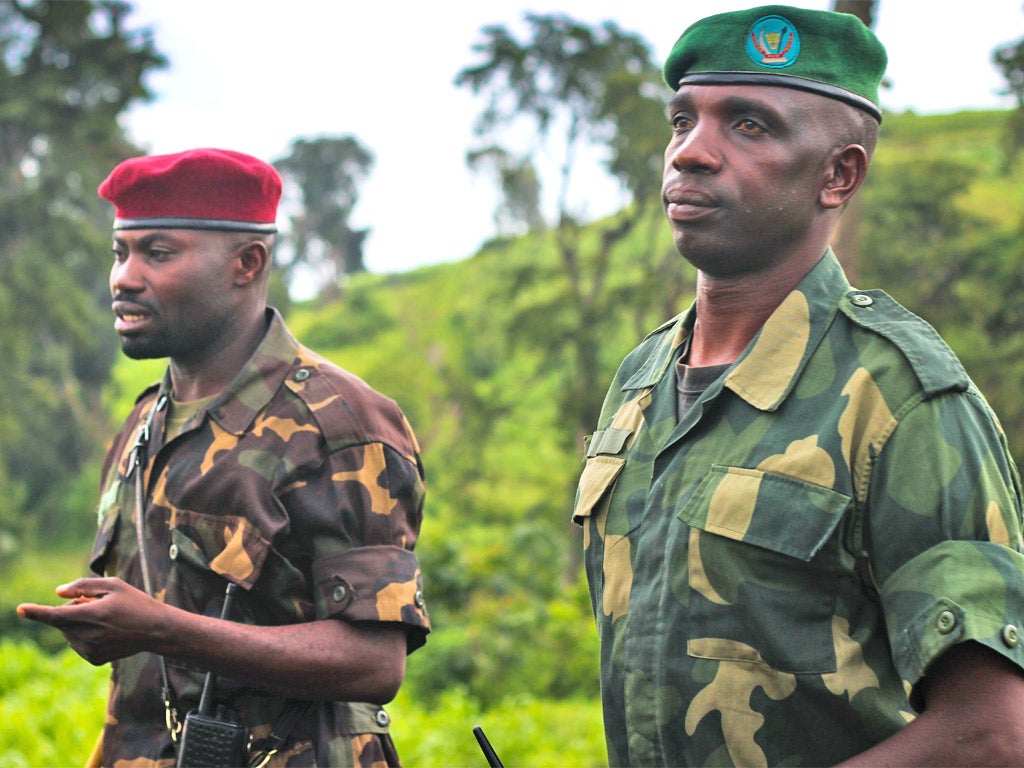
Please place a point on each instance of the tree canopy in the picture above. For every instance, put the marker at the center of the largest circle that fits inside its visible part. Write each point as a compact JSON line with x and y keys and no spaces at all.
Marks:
{"x":68,"y":69}
{"x":1010,"y":61}
{"x":326,"y":174}
{"x":574,"y":86}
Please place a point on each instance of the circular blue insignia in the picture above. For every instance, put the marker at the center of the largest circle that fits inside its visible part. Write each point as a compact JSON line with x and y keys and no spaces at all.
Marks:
{"x":773,"y":42}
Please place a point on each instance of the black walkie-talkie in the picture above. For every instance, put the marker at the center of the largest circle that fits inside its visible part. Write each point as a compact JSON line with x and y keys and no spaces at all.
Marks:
{"x":215,"y":740}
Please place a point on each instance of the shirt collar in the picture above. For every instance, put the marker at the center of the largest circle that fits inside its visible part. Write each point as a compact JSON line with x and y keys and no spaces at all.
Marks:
{"x":255,"y":384}
{"x":770,"y":366}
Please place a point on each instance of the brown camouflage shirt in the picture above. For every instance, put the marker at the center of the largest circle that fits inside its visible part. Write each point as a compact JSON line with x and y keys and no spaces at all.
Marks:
{"x":303,"y":486}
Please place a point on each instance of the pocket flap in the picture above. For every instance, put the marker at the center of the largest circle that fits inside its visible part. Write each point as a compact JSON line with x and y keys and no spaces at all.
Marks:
{"x":608,"y":441}
{"x":230,"y":546}
{"x":783,"y":514}
{"x":598,"y":476}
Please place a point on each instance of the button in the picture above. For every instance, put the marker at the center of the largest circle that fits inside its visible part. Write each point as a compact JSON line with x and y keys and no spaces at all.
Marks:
{"x":1011,"y":636}
{"x":301,"y":375}
{"x":340,"y":593}
{"x":945,"y":622}
{"x":382,"y":718}
{"x":172,"y":552}
{"x":861,"y":300}
{"x":418,"y":598}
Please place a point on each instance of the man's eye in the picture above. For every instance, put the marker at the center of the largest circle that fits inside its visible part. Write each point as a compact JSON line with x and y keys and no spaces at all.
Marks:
{"x":750,"y":126}
{"x":681,"y":122}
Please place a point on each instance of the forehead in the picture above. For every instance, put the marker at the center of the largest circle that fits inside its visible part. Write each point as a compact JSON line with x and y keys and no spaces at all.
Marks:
{"x":177,"y":237}
{"x":772,"y":98}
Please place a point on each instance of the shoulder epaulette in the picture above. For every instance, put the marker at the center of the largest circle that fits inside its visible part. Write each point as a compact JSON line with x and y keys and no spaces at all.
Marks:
{"x":348,"y":410}
{"x":933,"y":362}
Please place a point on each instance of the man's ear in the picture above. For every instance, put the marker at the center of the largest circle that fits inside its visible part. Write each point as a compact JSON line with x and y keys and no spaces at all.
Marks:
{"x":252,"y":262}
{"x":847,"y":170}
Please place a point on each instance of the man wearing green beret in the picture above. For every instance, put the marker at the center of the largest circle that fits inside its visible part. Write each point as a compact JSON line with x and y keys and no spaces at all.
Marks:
{"x":802,"y":523}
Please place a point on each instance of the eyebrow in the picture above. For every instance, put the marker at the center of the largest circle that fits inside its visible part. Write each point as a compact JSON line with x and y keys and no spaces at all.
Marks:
{"x":147,"y":240}
{"x":730,"y":105}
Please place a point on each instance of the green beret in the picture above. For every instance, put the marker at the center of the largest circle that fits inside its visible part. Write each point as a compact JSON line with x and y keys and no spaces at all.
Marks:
{"x":833,"y":54}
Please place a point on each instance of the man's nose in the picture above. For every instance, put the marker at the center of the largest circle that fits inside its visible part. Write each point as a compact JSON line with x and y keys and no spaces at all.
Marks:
{"x":125,"y":276}
{"x":695,"y":152}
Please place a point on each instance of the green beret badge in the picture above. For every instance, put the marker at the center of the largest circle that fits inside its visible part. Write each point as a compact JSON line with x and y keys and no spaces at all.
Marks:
{"x":773,"y":42}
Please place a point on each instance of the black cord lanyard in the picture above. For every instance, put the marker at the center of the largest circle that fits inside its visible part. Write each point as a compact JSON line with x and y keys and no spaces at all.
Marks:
{"x":294,"y":710}
{"x":137,"y":464}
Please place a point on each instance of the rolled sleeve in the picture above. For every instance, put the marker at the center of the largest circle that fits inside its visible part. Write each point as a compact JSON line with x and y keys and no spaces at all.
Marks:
{"x":951,"y":593}
{"x":945,"y":533}
{"x":373,"y":583}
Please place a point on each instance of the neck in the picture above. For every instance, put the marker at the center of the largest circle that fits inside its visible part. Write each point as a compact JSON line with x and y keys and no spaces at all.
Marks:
{"x":211,"y":372}
{"x":732,"y":309}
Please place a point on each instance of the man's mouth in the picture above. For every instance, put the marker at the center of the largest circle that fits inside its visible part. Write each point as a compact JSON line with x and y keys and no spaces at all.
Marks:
{"x":688,"y":205}
{"x":128,"y":317}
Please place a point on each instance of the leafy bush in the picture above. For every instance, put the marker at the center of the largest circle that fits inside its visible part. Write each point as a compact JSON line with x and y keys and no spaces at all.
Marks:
{"x":43,"y":730}
{"x":51,"y":706}
{"x":523,"y":730}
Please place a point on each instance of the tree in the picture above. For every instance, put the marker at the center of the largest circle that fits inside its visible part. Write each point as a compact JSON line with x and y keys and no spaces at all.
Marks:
{"x":328,"y":173}
{"x":576,"y":87}
{"x":520,"y":188}
{"x":1010,"y":61}
{"x":68,"y":69}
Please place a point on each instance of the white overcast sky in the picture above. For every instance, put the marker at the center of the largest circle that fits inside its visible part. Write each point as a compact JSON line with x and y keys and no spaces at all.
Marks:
{"x":254,"y":75}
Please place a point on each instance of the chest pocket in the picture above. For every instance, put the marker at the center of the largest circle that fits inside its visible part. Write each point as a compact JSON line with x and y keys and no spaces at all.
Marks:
{"x":763,"y":569}
{"x":598,"y":478}
{"x":602,"y":469}
{"x":230,"y":546}
{"x":108,"y":516}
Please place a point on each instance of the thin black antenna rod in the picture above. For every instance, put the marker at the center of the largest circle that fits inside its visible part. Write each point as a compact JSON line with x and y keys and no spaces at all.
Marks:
{"x":485,"y":745}
{"x":206,"y":697}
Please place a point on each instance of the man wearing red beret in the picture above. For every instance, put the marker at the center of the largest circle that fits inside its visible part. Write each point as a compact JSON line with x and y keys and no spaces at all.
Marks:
{"x":255,"y":468}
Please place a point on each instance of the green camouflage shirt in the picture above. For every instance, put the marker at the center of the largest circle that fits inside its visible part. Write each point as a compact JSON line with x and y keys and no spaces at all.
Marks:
{"x":772,"y":575}
{"x":303,"y":486}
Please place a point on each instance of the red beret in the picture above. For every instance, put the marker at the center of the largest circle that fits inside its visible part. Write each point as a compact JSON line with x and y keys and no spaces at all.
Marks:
{"x":214,"y":189}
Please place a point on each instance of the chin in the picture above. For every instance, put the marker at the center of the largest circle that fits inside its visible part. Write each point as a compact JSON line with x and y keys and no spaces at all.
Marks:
{"x":136,"y":350}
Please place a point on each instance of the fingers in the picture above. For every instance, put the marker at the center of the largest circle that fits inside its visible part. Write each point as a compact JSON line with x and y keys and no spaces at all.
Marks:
{"x":44,"y":614}
{"x":34,"y":612}
{"x":83,"y":590}
{"x":78,"y":592}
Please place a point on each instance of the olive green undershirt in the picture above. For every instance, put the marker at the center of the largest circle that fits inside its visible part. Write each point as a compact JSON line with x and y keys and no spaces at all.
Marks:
{"x":178,"y":413}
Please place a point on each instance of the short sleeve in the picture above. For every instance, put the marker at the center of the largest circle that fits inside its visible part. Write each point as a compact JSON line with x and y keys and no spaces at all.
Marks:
{"x":953,"y":592}
{"x":944,"y":534}
{"x":364,"y":531}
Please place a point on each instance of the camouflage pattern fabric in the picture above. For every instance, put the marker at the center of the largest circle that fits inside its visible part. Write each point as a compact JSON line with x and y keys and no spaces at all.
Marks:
{"x":300,"y":484}
{"x":772,"y":575}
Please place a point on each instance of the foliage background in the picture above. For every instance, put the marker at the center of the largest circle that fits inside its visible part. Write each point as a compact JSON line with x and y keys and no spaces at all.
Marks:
{"x":482,"y":355}
{"x":461,"y":346}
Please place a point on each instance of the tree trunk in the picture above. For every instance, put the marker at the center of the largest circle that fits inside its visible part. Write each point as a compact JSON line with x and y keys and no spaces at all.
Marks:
{"x":862,"y":9}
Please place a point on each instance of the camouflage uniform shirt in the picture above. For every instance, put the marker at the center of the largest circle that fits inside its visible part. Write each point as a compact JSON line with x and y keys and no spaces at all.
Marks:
{"x":772,"y":573}
{"x":303,"y":486}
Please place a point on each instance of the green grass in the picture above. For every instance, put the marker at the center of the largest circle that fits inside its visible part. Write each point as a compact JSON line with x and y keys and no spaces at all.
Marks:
{"x":52,"y":709}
